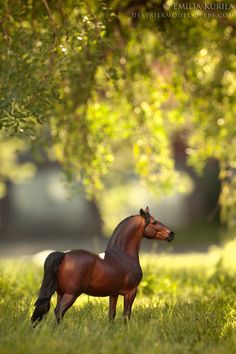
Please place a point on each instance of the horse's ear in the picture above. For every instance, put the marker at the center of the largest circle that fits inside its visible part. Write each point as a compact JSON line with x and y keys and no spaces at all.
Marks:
{"x":147,"y":210}
{"x":142,"y":212}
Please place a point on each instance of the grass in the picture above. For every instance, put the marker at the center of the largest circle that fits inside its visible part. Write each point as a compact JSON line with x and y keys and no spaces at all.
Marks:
{"x":185,"y":304}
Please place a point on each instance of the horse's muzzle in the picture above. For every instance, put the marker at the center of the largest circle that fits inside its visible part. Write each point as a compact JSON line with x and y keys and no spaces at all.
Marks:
{"x":170,"y":237}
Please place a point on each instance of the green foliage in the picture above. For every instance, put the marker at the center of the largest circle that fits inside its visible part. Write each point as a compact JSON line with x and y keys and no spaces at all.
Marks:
{"x":185,"y":304}
{"x":87,"y":79}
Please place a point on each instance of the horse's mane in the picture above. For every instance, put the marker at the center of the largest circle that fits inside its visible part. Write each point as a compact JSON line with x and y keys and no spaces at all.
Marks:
{"x":117,"y":229}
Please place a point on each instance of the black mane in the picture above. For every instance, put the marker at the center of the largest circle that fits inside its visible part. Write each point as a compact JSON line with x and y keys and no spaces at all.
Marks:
{"x":117,"y":229}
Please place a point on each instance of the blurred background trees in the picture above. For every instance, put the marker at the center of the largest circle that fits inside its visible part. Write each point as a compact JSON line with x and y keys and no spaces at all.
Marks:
{"x":112,"y":93}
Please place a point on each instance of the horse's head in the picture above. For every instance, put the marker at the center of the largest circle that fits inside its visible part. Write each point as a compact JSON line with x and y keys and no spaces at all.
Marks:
{"x":153,"y":229}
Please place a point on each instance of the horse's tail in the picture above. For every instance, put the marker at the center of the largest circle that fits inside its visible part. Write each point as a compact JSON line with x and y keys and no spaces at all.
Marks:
{"x":49,"y":285}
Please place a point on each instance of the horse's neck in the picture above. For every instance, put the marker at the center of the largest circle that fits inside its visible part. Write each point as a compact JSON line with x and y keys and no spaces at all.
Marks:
{"x":127,"y":240}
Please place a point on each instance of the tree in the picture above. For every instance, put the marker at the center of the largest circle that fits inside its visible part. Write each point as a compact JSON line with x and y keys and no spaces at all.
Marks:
{"x":11,"y":169}
{"x":86,"y":78}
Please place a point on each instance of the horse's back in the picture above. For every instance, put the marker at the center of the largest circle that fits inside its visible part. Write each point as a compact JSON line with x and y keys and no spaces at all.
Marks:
{"x":81,"y":253}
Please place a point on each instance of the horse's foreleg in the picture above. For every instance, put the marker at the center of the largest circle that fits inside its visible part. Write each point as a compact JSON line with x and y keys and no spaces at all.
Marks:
{"x":128,"y":302}
{"x":64,"y":303}
{"x":112,"y":307}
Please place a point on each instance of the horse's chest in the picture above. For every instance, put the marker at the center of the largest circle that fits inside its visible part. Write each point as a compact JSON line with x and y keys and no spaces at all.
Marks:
{"x":133,"y":278}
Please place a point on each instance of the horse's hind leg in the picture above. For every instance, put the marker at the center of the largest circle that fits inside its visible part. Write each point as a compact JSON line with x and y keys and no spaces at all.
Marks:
{"x":64,"y":303}
{"x":59,"y":297}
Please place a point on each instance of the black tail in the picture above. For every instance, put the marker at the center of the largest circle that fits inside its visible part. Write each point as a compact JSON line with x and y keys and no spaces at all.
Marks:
{"x":49,"y":285}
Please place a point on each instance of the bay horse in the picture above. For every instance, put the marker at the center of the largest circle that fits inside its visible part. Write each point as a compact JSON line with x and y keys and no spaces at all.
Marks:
{"x":118,"y":273}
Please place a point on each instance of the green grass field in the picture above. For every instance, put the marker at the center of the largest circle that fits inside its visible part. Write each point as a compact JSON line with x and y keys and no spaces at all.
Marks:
{"x":185,"y":304}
